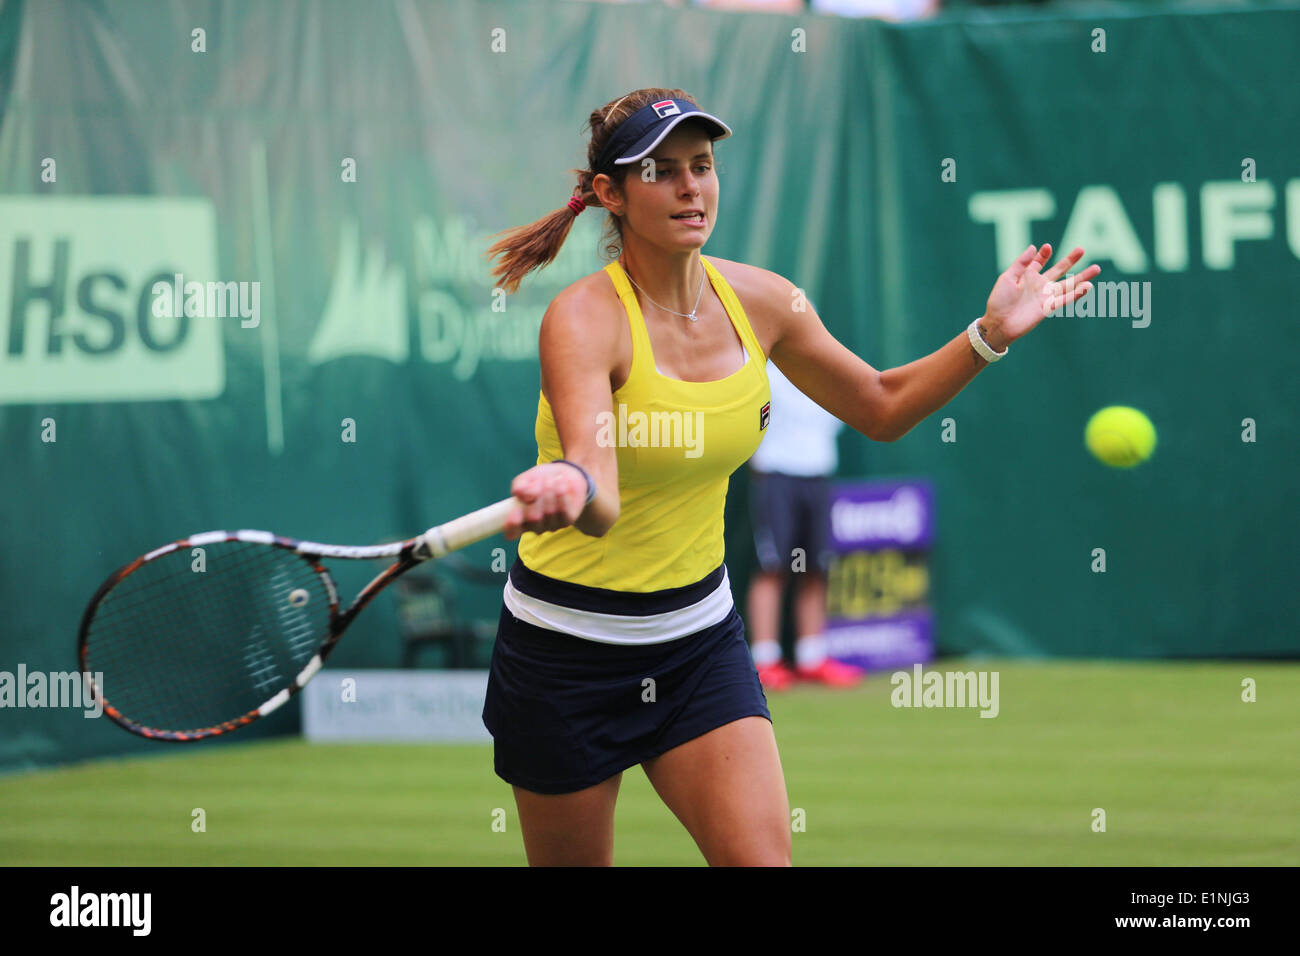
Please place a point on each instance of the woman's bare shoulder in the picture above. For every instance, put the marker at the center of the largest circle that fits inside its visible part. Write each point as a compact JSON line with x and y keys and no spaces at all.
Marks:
{"x":588,"y":295}
{"x":743,"y":273}
{"x":765,"y":296}
{"x":581,"y":319}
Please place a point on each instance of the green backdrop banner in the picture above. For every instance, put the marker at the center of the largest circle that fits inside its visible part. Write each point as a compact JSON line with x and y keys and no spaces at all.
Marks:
{"x":328,"y":174}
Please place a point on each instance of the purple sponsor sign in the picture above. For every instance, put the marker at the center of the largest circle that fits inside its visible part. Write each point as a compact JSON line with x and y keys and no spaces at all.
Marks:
{"x":883,"y":643}
{"x":878,"y":615}
{"x":893,"y":514}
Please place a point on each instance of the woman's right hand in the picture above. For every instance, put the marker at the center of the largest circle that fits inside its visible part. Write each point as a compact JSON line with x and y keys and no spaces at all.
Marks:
{"x":553,"y":495}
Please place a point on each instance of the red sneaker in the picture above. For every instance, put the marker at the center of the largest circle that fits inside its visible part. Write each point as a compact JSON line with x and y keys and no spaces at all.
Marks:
{"x":775,"y":676}
{"x":833,"y":674}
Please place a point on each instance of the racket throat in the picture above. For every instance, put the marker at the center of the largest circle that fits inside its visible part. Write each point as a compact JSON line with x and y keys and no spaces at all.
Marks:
{"x":429,"y":545}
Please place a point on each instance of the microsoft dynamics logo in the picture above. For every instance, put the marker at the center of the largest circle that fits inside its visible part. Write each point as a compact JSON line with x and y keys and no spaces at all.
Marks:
{"x":78,"y":321}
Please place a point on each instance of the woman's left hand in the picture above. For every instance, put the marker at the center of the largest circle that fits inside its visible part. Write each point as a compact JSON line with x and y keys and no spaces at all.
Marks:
{"x":1023,"y":296}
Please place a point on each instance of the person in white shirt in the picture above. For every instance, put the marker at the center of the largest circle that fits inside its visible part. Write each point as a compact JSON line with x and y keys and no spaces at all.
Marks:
{"x":789,"y":504}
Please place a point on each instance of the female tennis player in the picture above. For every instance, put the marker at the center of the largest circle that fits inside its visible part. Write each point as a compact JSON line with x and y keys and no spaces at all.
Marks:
{"x":619,"y":642}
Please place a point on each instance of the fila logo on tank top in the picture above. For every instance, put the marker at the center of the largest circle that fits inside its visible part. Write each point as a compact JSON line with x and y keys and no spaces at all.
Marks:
{"x":669,"y":533}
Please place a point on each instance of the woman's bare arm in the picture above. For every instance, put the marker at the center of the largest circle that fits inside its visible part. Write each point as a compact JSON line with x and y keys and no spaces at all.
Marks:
{"x":577,"y":349}
{"x":886,"y":405}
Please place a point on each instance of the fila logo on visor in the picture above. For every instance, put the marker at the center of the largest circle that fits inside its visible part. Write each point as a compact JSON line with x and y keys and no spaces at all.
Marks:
{"x":665,"y":108}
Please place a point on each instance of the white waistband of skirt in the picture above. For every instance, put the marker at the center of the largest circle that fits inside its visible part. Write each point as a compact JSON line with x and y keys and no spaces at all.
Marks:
{"x":620,"y":628}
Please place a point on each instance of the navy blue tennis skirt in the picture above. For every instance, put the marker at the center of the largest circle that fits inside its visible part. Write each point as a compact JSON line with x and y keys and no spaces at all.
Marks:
{"x":566,"y":713}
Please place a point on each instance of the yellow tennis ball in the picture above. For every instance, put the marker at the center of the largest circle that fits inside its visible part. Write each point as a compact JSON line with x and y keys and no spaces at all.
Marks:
{"x":1120,"y":436}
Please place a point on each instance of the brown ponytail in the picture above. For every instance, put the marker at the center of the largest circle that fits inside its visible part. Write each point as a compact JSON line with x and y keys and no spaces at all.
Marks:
{"x":526,"y":248}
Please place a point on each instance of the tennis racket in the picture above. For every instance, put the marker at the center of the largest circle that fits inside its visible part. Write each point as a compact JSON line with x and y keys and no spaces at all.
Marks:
{"x":189,"y":646}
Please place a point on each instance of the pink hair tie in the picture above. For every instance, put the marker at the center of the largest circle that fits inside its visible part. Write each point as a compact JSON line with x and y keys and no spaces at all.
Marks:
{"x":577,"y":205}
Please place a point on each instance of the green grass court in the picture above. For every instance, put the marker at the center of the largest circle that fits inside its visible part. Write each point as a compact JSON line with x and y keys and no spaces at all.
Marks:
{"x":1187,"y":773}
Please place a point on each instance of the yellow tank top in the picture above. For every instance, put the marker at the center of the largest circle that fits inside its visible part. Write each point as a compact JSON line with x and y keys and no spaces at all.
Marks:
{"x":677,"y":443}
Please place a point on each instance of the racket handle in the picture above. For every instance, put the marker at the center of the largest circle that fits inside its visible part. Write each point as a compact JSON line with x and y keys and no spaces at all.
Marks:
{"x":463,"y":531}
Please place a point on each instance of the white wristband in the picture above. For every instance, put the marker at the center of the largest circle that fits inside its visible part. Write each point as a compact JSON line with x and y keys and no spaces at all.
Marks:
{"x":977,"y":342}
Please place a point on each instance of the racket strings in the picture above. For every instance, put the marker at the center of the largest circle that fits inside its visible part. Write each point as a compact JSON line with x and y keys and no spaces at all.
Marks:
{"x":182,"y":649}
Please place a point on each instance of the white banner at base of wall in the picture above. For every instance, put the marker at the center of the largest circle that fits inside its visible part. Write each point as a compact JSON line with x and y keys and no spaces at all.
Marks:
{"x":379,"y":705}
